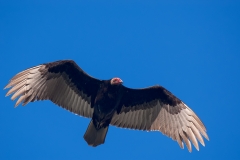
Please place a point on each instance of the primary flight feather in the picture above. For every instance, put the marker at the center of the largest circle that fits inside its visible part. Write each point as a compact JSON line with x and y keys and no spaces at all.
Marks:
{"x":108,"y":102}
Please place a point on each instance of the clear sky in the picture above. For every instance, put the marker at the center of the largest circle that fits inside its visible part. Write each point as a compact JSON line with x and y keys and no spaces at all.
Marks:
{"x":190,"y":48}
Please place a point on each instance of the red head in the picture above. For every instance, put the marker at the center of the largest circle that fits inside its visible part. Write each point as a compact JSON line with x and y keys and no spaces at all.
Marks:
{"x":116,"y":81}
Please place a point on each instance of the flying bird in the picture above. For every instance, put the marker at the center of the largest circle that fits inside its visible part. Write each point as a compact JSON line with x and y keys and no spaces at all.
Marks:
{"x":108,"y":102}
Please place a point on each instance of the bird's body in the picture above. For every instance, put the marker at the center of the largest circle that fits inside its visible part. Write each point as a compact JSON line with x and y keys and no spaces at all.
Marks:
{"x":108,"y":102}
{"x":105,"y":105}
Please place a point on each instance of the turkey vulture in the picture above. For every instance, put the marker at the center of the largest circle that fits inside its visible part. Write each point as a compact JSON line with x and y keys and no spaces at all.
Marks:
{"x":108,"y":102}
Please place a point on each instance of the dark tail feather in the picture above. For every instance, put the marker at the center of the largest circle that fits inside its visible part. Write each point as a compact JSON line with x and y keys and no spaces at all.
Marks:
{"x":93,"y":136}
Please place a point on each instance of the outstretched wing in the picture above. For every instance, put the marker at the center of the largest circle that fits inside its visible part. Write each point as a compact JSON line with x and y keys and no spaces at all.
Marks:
{"x":155,"y":108}
{"x":62,"y":82}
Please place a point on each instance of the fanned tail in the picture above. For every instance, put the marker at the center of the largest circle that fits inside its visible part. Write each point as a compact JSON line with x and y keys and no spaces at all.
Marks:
{"x":95,"y":137}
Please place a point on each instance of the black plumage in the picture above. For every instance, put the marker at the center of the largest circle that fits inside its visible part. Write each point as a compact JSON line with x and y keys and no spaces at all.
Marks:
{"x":108,"y":102}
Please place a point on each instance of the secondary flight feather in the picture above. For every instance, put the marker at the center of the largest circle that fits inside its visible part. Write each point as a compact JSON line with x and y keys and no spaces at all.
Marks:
{"x":108,"y":102}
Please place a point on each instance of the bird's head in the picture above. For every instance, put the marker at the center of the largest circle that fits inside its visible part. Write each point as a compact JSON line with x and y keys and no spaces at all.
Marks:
{"x":116,"y":81}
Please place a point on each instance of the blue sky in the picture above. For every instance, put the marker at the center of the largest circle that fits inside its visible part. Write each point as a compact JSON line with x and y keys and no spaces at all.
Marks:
{"x":190,"y":48}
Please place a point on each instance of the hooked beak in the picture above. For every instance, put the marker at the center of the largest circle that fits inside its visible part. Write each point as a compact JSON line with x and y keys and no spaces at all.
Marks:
{"x":120,"y":81}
